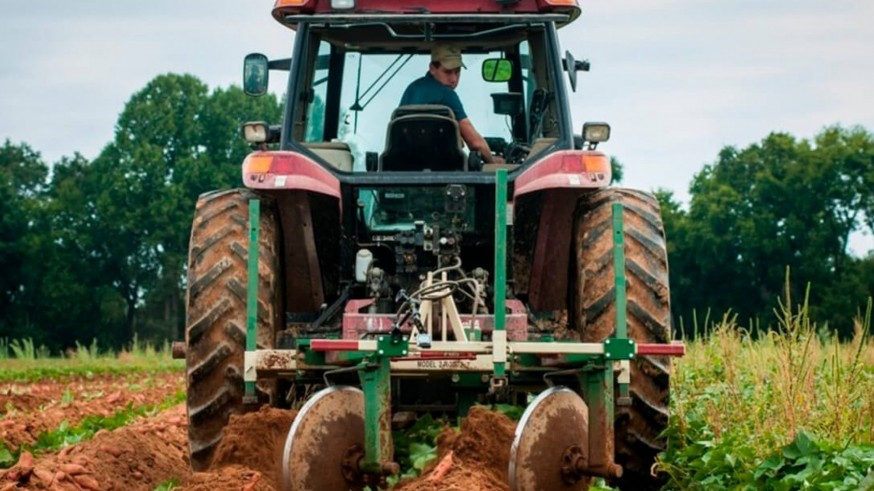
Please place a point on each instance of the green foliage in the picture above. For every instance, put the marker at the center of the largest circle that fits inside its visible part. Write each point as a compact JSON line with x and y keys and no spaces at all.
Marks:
{"x":168,"y":485}
{"x":22,"y":178}
{"x":509,"y":410}
{"x":616,"y":171}
{"x":781,"y":202}
{"x":88,"y":363}
{"x":787,"y":411}
{"x":97,"y":250}
{"x":65,"y":435}
{"x":416,"y":447}
{"x":7,"y":459}
{"x":806,"y":464}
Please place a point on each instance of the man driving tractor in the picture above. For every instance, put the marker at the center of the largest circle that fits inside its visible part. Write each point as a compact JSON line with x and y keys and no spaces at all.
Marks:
{"x":438,"y":87}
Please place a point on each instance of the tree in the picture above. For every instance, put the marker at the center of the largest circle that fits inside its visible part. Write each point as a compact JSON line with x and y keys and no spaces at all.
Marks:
{"x":173,"y":141}
{"x":22,"y":178}
{"x":73,"y":300}
{"x":777,"y":204}
{"x":616,"y":170}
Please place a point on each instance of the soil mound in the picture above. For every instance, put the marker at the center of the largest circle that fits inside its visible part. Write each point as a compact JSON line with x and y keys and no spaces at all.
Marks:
{"x":140,"y":456}
{"x":231,"y":477}
{"x":154,"y":451}
{"x":250,"y":453}
{"x":475,"y":458}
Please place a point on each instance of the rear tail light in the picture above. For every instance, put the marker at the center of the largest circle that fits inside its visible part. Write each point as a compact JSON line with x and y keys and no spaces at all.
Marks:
{"x":288,"y":170}
{"x":565,"y":169}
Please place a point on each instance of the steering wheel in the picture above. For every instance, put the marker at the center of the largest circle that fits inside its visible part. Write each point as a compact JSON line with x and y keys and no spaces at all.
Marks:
{"x":515,"y":152}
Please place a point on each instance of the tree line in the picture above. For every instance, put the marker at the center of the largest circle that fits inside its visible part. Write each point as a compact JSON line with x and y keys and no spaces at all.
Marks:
{"x":96,"y":249}
{"x":783,"y":207}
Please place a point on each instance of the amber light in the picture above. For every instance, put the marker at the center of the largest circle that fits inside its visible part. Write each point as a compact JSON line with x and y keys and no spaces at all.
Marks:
{"x":279,"y":164}
{"x":286,"y":7}
{"x":570,"y":7}
{"x":291,"y":3}
{"x":595,"y":162}
{"x":579,"y":162}
{"x":257,"y":163}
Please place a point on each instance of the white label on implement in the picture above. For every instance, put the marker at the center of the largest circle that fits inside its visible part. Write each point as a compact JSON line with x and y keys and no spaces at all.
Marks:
{"x":250,"y":361}
{"x":499,"y":340}
{"x":280,"y":181}
{"x":574,"y":180}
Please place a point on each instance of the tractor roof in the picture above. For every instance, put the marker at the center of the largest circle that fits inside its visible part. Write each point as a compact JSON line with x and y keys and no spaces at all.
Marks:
{"x":292,"y":12}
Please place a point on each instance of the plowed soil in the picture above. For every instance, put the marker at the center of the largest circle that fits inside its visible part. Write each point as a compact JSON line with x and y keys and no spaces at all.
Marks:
{"x":153,"y":451}
{"x":29,"y":409}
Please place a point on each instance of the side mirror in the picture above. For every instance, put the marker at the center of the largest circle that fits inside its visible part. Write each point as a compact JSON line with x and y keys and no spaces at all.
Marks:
{"x":497,"y":70}
{"x":572,"y":66}
{"x":255,"y":74}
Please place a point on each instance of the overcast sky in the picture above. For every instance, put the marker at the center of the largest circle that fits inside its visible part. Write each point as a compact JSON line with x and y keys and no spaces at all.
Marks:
{"x":676,"y":79}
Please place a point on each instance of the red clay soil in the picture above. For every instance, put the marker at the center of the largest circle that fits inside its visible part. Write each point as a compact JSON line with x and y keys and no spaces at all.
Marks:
{"x":153,"y":451}
{"x":250,"y":453}
{"x":140,"y":456}
{"x":31,"y":409}
{"x":480,"y":456}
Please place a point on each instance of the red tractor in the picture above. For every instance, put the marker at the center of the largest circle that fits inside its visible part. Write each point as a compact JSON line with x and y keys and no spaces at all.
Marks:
{"x":371,"y":266}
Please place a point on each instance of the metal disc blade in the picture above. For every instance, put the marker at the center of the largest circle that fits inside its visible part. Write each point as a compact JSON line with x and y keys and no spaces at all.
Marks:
{"x":556,"y":421}
{"x":328,"y":426}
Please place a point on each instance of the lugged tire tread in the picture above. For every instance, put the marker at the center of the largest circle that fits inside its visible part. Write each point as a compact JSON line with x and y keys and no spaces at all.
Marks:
{"x":638,"y":427}
{"x":210,"y":277}
{"x":216,"y":313}
{"x":218,"y":355}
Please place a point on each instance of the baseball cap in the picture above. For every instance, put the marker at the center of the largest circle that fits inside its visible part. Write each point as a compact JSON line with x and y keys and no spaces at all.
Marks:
{"x":448,"y":55}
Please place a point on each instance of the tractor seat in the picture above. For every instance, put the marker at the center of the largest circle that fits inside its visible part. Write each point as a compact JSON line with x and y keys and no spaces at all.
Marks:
{"x":423,"y":137}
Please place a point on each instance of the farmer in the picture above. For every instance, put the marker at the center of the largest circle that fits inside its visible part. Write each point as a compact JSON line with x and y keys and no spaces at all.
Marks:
{"x":438,"y":87}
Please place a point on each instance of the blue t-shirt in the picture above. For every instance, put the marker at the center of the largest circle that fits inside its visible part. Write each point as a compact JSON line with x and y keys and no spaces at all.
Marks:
{"x":427,"y":90}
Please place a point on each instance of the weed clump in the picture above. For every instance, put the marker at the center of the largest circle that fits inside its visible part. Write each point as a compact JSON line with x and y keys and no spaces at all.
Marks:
{"x":788,"y":410}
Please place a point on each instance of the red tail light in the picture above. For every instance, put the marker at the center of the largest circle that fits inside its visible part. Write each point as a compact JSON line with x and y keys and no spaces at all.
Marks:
{"x":288,"y":170}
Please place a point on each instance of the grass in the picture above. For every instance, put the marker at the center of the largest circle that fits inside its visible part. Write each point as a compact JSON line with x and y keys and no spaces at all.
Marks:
{"x":791,"y":410}
{"x":22,"y":361}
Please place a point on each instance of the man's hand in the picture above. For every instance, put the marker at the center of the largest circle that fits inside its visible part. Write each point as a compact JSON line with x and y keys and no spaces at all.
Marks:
{"x":475,"y":141}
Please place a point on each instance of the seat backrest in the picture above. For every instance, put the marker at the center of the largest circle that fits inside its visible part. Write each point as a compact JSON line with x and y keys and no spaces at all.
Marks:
{"x":435,"y":109}
{"x":423,"y":137}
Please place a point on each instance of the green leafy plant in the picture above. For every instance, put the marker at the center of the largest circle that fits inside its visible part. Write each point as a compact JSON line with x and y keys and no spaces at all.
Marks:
{"x":416,"y":446}
{"x":791,"y":410}
{"x":168,"y":485}
{"x":65,"y":434}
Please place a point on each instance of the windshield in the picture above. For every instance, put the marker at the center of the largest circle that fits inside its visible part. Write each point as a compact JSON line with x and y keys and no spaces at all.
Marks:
{"x":371,"y":87}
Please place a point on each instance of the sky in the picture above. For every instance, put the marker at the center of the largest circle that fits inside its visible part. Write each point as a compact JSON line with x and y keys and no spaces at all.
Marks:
{"x":677,"y":80}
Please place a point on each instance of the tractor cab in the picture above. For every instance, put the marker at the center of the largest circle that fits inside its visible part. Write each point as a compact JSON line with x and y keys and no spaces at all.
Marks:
{"x":354,"y":60}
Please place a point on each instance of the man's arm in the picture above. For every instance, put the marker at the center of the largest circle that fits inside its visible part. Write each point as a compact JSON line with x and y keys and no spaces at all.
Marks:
{"x":475,"y":141}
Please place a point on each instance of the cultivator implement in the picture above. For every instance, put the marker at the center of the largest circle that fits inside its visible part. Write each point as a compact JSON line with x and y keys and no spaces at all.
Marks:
{"x":342,"y":436}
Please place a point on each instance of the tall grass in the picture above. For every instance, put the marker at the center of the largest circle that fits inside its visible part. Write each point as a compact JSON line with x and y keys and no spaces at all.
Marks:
{"x":758,"y":413}
{"x":21,"y":359}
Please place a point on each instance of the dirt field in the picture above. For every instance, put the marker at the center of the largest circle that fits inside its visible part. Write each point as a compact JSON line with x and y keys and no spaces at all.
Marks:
{"x":153,"y":450}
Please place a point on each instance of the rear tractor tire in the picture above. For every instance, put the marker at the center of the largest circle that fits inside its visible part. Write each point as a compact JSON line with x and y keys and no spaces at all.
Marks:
{"x":638,"y":426}
{"x":215,"y":332}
